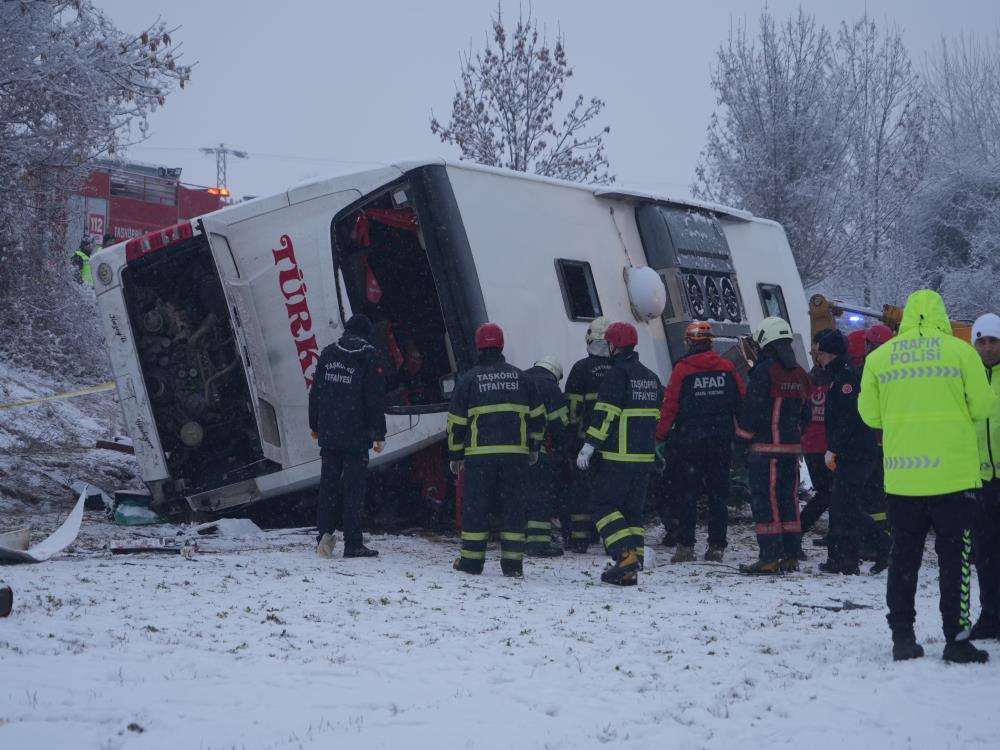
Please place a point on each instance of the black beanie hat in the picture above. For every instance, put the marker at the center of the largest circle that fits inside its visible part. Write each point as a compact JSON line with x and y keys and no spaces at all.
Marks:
{"x":834,"y":342}
{"x":359,"y":325}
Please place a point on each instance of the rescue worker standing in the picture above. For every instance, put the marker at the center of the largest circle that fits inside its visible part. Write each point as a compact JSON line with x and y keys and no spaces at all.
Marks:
{"x":924,"y":390}
{"x":347,"y":417}
{"x":81,"y":260}
{"x":857,"y":472}
{"x":623,"y":431}
{"x":582,"y":385}
{"x":814,"y":443}
{"x":986,"y":510}
{"x":776,"y":409}
{"x":544,"y":481}
{"x":496,"y":422}
{"x":697,"y":418}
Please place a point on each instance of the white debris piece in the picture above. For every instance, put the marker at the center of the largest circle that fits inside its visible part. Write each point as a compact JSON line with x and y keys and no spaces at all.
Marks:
{"x":59,"y":540}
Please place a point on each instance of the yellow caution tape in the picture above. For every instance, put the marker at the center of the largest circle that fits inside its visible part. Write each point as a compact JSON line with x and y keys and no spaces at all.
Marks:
{"x":57,"y":396}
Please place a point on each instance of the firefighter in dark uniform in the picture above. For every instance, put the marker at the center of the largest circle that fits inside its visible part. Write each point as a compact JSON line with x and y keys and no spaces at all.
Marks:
{"x":776,"y":410}
{"x":496,"y":422}
{"x":698,"y":417}
{"x":623,"y":432}
{"x":853,"y":453}
{"x":544,"y":478}
{"x":582,"y":385}
{"x":347,"y":417}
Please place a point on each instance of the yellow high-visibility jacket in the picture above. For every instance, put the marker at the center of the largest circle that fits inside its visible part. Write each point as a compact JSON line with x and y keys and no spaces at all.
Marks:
{"x":925,"y":389}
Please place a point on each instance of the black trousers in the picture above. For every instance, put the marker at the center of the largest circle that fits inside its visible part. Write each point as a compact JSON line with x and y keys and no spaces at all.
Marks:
{"x":542,"y":493}
{"x":619,"y":494}
{"x":854,"y":481}
{"x":986,"y":542}
{"x":703,"y":468}
{"x":774,"y":500}
{"x":494,"y":484}
{"x":581,"y":507}
{"x":822,"y":482}
{"x":910,"y":518}
{"x":342,"y":481}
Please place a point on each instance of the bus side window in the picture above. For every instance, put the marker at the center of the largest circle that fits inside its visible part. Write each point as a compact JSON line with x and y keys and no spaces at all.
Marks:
{"x":579,"y":292}
{"x":772,"y":301}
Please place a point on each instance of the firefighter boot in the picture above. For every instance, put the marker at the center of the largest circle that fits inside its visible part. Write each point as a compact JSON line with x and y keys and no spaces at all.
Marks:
{"x":683,"y":553}
{"x":963,"y":652}
{"x":464,"y":565}
{"x":762,"y":568}
{"x":327,"y":544}
{"x":905,"y":646}
{"x":789,"y":565}
{"x":984,"y":628}
{"x":714,"y":554}
{"x":6,"y":600}
{"x":512,"y":568}
{"x":625,"y":571}
{"x":359,"y":550}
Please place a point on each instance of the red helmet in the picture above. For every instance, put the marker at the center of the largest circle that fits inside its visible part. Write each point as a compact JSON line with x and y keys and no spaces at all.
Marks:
{"x":489,"y":335}
{"x":878,"y":334}
{"x":620,"y":335}
{"x":856,"y":347}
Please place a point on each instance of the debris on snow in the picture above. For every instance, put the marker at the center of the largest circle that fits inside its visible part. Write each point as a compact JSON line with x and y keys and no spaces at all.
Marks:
{"x":59,"y":540}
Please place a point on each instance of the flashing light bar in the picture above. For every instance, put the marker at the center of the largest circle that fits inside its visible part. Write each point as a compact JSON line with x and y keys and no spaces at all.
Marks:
{"x":224,"y":192}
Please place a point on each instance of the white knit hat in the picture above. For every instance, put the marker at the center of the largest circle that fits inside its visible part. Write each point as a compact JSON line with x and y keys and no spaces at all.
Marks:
{"x":986,"y":325}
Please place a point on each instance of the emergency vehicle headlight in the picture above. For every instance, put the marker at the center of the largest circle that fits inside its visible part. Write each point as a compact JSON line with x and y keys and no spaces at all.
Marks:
{"x":104,"y":274}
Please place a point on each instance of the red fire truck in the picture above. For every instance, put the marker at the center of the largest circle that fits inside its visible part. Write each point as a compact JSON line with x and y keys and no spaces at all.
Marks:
{"x":129,"y":200}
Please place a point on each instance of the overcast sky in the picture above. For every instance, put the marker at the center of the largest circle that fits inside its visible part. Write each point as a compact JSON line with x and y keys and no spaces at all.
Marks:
{"x":303,"y":84}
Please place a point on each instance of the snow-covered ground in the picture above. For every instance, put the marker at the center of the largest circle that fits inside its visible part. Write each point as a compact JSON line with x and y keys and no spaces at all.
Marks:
{"x":257,"y":643}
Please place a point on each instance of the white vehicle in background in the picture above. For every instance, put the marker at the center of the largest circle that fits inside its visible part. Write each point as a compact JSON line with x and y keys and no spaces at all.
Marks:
{"x":214,"y":326}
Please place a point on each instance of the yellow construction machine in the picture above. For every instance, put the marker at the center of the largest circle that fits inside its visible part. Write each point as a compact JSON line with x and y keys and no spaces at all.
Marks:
{"x":823,"y":313}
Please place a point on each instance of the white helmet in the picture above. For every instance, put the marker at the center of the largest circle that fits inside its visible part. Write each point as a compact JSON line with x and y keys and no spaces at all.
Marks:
{"x":771,"y":329}
{"x":552,"y":365}
{"x":986,"y":325}
{"x":598,"y":329}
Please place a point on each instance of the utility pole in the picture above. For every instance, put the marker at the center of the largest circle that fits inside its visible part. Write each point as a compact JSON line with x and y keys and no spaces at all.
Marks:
{"x":221,"y":152}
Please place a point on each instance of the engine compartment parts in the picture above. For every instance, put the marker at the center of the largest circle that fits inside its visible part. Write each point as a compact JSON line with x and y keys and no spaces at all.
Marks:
{"x":192,"y":368}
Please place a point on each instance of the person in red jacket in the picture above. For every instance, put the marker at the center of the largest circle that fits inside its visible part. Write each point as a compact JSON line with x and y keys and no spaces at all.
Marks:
{"x":814,"y":443}
{"x":698,"y":418}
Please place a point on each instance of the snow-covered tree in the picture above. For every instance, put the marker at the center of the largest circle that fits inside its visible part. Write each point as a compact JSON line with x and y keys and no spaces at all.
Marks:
{"x":73,"y":87}
{"x":778,"y":144}
{"x":886,"y":141}
{"x":956,"y":218}
{"x":506,"y":113}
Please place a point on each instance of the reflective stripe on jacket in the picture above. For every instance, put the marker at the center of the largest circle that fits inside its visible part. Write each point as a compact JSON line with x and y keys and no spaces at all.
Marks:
{"x":582,"y":385}
{"x":988,"y":432}
{"x":623,"y":421}
{"x":924,"y":389}
{"x":778,"y":404}
{"x":84,"y":262}
{"x":494,"y":411}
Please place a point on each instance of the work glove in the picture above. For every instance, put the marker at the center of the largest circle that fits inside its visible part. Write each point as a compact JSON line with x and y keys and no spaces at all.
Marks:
{"x":583,"y":457}
{"x":532,"y":458}
{"x":315,"y":435}
{"x":831,"y":460}
{"x":455,"y":466}
{"x":379,"y":446}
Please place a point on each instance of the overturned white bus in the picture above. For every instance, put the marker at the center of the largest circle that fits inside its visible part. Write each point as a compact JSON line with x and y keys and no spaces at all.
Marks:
{"x":214,"y":326}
